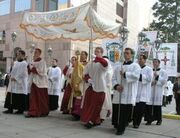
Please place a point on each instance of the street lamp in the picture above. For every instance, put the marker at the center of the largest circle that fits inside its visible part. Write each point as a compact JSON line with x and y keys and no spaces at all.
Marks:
{"x":13,"y":37}
{"x":157,"y":46}
{"x":32,"y":48}
{"x":50,"y":53}
{"x":142,"y":43}
{"x":123,"y":31}
{"x":141,"y":37}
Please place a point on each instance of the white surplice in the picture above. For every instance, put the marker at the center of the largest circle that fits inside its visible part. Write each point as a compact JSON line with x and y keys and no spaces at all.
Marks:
{"x":157,"y":89}
{"x":97,"y":73}
{"x":40,"y":79}
{"x":54,"y":81}
{"x":20,"y":73}
{"x":144,"y":86}
{"x":130,"y":83}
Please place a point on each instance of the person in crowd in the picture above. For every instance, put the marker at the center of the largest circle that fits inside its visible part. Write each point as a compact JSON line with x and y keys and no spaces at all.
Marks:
{"x":54,"y":85}
{"x":154,"y":107}
{"x":107,"y":105}
{"x":38,"y":97}
{"x":17,"y":88}
{"x":67,"y":72}
{"x":170,"y":92}
{"x":77,"y":85}
{"x":143,"y":92}
{"x":176,"y":90}
{"x":95,"y":75}
{"x":125,"y":83}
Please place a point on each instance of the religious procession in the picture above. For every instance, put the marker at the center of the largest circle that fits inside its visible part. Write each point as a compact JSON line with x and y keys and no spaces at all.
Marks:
{"x":108,"y":80}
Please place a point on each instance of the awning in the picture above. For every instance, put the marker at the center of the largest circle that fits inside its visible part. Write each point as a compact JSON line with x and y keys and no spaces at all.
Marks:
{"x":76,"y":23}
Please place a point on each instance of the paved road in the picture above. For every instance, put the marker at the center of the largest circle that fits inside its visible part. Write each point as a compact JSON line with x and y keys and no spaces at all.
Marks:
{"x":57,"y":125}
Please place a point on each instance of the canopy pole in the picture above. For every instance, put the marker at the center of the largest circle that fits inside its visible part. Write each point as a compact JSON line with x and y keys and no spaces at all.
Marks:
{"x":91,"y":32}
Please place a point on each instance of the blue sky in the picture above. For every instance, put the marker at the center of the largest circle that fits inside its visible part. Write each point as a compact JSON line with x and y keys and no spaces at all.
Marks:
{"x":4,"y":7}
{"x":62,"y":1}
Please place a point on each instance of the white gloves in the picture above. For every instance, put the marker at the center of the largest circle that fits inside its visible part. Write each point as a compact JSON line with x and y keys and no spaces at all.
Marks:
{"x":93,"y":56}
{"x":90,"y":81}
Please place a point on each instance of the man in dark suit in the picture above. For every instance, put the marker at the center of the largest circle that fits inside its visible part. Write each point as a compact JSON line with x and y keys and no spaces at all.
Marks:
{"x":176,"y":90}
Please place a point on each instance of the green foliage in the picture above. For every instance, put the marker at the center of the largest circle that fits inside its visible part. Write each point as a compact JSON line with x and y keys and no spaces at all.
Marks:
{"x":167,"y":13}
{"x":165,"y":48}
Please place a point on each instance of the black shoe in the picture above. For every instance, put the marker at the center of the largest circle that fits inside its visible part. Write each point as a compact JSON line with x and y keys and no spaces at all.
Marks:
{"x":159,"y":123}
{"x":75,"y":119}
{"x":135,"y":126}
{"x":29,"y":116}
{"x":89,"y":125}
{"x":45,"y":115}
{"x":148,"y":123}
{"x":119,"y":132}
{"x":115,"y":126}
{"x":19,"y":112}
{"x":65,"y":112}
{"x":8,"y":111}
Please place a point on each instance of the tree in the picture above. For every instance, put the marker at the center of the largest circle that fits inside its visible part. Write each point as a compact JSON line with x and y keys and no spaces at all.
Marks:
{"x":167,"y":13}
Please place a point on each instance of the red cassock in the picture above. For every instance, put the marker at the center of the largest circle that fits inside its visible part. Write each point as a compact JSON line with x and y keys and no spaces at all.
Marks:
{"x":38,"y":101}
{"x":92,"y":106}
{"x":38,"y":98}
{"x":66,"y":98}
{"x":93,"y":100}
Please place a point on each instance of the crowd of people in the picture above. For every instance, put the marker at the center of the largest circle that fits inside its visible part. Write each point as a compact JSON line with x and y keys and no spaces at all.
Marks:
{"x":137,"y":89}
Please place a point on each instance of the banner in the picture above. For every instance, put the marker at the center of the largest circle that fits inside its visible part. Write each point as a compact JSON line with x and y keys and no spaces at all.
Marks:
{"x":113,"y":50}
{"x":168,"y":57}
{"x":146,"y":48}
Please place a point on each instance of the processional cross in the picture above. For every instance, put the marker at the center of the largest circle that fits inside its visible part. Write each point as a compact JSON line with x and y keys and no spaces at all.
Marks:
{"x":165,"y":59}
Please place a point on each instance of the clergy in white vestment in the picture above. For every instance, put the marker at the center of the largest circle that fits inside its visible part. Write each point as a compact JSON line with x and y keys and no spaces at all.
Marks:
{"x":38,"y":97}
{"x":95,"y":75}
{"x":17,"y":89}
{"x":143,"y":92}
{"x":125,"y":82}
{"x":170,"y":92}
{"x":154,"y":106}
{"x":54,"y":85}
{"x":107,"y":105}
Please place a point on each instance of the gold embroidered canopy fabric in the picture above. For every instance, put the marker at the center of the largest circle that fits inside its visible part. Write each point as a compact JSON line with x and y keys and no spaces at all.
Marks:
{"x":72,"y":23}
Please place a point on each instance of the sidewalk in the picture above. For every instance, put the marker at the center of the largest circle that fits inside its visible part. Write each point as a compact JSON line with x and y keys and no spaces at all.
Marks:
{"x":57,"y":125}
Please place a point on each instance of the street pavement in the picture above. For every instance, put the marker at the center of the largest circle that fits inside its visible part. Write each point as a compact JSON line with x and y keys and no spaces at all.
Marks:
{"x":57,"y":125}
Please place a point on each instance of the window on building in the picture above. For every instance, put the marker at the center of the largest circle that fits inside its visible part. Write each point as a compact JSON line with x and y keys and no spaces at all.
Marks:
{"x":22,"y":5}
{"x":119,"y":10}
{"x":62,"y":1}
{"x":53,"y":5}
{"x":62,"y":4}
{"x":1,"y":56}
{"x":2,"y":37}
{"x":4,"y":7}
{"x":40,"y":5}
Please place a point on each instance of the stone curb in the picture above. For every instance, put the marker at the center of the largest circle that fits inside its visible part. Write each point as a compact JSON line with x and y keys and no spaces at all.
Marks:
{"x":171,"y":116}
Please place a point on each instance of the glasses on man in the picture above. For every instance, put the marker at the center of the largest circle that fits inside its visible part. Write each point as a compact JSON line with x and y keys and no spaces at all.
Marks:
{"x":127,"y":53}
